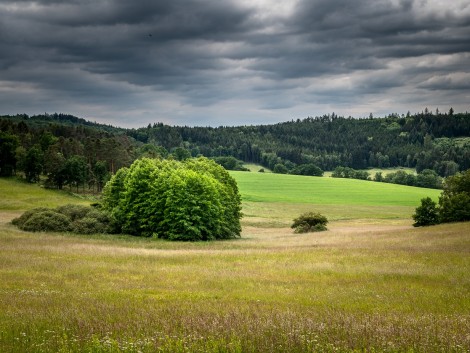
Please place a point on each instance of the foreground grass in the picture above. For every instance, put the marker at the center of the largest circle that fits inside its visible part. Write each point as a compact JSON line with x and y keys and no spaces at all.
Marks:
{"x":342,"y":290}
{"x":364,"y":285}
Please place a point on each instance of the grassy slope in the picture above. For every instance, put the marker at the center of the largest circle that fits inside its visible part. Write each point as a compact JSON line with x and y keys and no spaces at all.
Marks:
{"x":18,"y":196}
{"x":272,"y":187}
{"x":276,"y":199}
{"x":384,"y":287}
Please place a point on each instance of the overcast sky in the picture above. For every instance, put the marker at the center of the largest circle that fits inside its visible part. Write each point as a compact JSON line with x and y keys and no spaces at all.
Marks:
{"x":232,"y":62}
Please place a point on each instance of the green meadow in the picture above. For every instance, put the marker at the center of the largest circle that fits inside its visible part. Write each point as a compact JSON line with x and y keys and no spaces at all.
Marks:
{"x":275,"y":199}
{"x":371,"y":283}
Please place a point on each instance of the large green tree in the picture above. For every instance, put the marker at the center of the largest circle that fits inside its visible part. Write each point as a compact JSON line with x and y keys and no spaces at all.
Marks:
{"x":195,"y":199}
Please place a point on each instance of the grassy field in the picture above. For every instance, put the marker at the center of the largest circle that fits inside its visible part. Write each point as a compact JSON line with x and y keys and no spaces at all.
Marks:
{"x":275,"y":199}
{"x":371,"y":283}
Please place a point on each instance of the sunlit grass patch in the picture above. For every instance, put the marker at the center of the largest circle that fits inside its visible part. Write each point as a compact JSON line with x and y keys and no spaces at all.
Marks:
{"x":259,"y":187}
{"x":20,"y":196}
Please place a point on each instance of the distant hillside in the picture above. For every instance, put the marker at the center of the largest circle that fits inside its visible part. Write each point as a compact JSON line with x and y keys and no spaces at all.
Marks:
{"x":423,"y":141}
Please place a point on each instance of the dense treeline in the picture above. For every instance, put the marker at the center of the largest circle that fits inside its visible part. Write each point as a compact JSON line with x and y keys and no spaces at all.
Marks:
{"x":75,"y":152}
{"x":66,"y":150}
{"x":423,"y":141}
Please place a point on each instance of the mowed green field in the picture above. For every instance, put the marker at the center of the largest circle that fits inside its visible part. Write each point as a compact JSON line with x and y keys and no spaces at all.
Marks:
{"x":371,"y":283}
{"x":276,"y":199}
{"x":272,"y":187}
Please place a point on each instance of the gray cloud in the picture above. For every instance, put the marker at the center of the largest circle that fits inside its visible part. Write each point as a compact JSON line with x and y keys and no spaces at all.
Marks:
{"x":206,"y":62}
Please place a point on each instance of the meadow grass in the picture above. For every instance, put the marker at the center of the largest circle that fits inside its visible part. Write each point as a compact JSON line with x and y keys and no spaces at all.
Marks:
{"x":18,"y":195}
{"x":364,"y":285}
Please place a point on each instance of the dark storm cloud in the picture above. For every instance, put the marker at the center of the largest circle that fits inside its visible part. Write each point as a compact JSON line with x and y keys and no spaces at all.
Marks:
{"x":192,"y":61}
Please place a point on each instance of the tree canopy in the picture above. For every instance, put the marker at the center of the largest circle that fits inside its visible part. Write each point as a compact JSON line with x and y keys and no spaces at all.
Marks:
{"x":193,"y":199}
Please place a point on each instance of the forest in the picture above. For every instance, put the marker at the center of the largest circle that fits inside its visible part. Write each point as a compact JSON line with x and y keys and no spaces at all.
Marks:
{"x":75,"y":152}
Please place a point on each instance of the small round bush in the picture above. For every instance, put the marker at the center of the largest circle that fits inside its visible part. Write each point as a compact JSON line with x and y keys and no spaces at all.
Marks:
{"x":310,"y":222}
{"x":47,"y":221}
{"x":20,"y":221}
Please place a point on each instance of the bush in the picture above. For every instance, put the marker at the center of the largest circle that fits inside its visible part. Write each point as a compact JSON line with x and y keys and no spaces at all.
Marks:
{"x":426,"y":214}
{"x":74,"y":218}
{"x":47,"y":221}
{"x":73,"y":212}
{"x":21,"y":220}
{"x":89,"y":225}
{"x":310,"y":222}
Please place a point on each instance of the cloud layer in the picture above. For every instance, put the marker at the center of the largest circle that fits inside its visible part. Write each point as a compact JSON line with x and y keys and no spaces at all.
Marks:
{"x":207,"y":62}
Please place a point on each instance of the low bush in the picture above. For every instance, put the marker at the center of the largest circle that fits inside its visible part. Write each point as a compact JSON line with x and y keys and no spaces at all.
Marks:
{"x":68,"y":218}
{"x":310,"y":222}
{"x":74,"y":212}
{"x":89,"y":225}
{"x":47,"y":221}
{"x":21,"y":220}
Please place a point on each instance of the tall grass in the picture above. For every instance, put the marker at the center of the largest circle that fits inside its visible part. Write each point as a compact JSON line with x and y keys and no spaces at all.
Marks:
{"x":359,"y":287}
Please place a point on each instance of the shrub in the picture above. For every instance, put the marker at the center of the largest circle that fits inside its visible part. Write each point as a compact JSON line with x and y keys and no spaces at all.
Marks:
{"x":21,"y":220}
{"x":95,"y":221}
{"x":426,"y":214}
{"x":310,"y":222}
{"x":89,"y":225}
{"x":454,"y":208}
{"x":74,"y":218}
{"x":47,"y":221}
{"x":73,"y":212}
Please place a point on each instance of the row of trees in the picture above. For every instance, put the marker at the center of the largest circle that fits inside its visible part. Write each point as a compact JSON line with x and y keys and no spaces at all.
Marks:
{"x":422,"y":141}
{"x":425,"y":179}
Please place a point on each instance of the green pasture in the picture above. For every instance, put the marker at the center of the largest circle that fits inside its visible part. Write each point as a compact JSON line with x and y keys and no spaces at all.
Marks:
{"x":371,"y":283}
{"x":259,"y":187}
{"x":276,"y":199}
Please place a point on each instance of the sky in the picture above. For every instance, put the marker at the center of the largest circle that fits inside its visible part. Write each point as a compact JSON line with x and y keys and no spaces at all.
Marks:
{"x":232,"y":62}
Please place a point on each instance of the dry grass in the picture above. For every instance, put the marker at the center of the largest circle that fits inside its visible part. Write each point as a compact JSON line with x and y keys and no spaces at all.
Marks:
{"x":355,"y":287}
